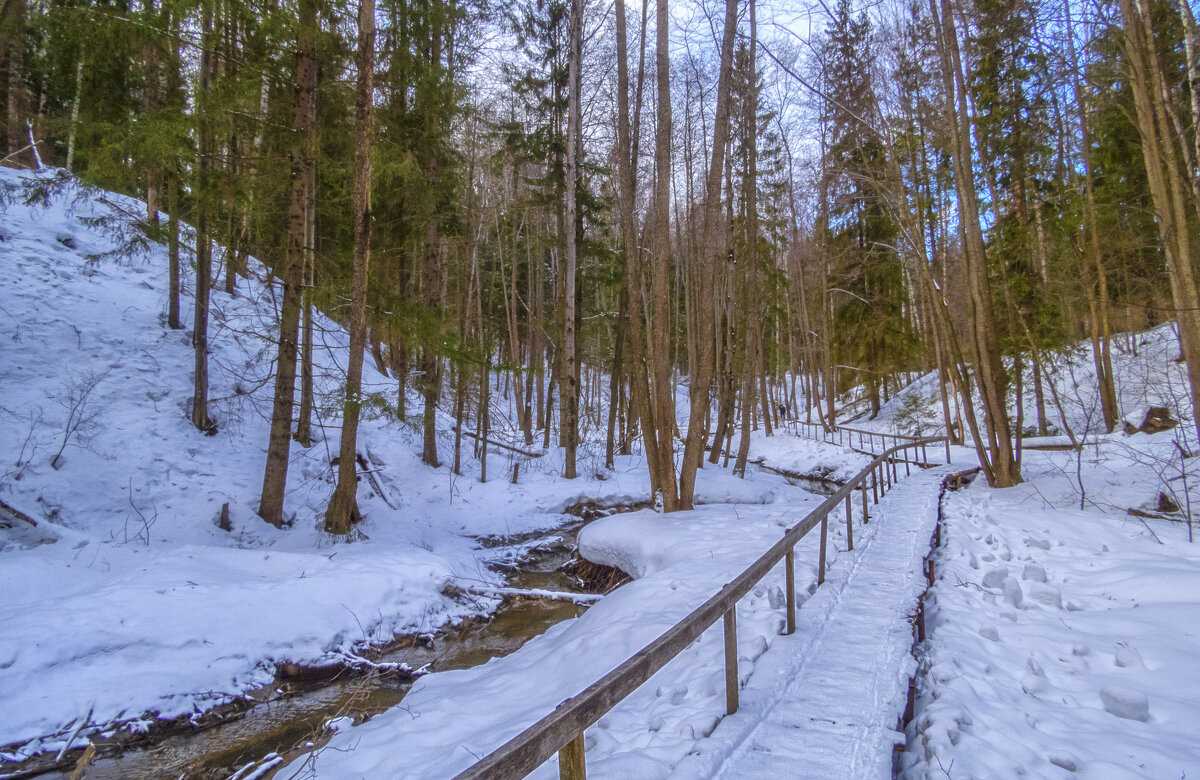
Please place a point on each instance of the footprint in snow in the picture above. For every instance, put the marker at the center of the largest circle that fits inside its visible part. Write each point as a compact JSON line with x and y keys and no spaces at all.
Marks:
{"x":994,"y":578}
{"x":1127,"y":703}
{"x":1034,"y":572}
{"x":1012,"y":592}
{"x":1129,"y":657}
{"x":675,"y":693}
{"x":1046,"y":595}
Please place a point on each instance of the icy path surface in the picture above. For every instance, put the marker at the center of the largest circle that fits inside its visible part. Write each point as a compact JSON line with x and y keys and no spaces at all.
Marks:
{"x":825,"y":701}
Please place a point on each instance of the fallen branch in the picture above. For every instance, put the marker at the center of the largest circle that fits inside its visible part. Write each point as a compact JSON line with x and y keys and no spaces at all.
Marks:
{"x":375,"y":483}
{"x":535,"y":593}
{"x":16,"y":514}
{"x":501,"y":445}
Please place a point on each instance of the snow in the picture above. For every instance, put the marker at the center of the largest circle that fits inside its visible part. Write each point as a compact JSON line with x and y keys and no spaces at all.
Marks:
{"x":815,"y":459}
{"x":449,"y":719}
{"x":1061,"y":640}
{"x":1061,"y":629}
{"x":127,"y":598}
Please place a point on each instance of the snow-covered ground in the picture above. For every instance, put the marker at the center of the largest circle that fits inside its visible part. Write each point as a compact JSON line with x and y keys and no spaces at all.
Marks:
{"x":127,"y":597}
{"x":1062,"y":642}
{"x":1061,"y":638}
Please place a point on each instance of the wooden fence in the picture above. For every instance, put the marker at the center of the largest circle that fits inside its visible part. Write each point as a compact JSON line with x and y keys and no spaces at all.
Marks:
{"x":867,"y":442}
{"x":562,"y":730}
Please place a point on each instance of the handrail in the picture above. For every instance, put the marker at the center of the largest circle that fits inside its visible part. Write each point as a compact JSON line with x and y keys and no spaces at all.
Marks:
{"x":562,"y":730}
{"x":844,"y":435}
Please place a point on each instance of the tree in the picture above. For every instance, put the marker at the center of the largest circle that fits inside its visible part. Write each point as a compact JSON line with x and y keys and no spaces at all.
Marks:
{"x":304,"y":111}
{"x":1168,"y":168}
{"x":570,"y":381}
{"x":701,"y":374}
{"x":343,"y":508}
{"x":996,"y":456}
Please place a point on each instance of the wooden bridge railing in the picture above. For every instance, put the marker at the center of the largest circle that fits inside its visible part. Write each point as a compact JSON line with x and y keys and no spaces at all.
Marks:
{"x":562,"y":730}
{"x":867,"y":441}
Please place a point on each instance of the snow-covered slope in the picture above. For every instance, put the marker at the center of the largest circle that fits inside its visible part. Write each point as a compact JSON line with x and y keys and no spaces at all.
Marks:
{"x":1147,"y":373}
{"x":127,"y":597}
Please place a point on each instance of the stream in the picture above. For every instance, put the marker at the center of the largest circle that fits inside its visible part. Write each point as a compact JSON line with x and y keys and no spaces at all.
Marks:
{"x":289,"y":718}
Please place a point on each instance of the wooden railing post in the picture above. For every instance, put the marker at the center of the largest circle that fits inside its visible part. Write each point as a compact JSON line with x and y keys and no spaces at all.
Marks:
{"x":866,"y":517}
{"x":874,"y":486}
{"x":821,"y":561}
{"x":731,"y":661}
{"x":789,"y":579}
{"x":570,"y":760}
{"x":849,"y":525}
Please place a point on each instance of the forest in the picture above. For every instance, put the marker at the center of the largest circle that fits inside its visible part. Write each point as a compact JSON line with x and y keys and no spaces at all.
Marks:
{"x":778,"y":210}
{"x":578,"y":258}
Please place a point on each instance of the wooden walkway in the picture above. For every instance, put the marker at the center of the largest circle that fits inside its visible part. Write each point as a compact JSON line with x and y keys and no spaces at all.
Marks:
{"x":825,"y":702}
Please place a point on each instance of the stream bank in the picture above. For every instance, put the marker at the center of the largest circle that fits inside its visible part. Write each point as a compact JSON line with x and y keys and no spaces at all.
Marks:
{"x":306,"y":704}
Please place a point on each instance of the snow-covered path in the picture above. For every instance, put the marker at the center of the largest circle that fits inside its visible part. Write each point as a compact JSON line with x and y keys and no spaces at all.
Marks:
{"x":825,"y":701}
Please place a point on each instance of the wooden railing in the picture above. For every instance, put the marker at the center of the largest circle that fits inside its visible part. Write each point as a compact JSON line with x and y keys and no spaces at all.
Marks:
{"x":562,"y":730}
{"x":867,"y":441}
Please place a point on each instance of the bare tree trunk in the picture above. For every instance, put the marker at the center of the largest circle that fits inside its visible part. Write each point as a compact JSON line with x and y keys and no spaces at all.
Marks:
{"x":751,"y":280}
{"x":343,"y":506}
{"x":13,"y":24}
{"x":639,"y":400}
{"x":989,"y":368}
{"x":1165,"y":175}
{"x":304,"y":419}
{"x":431,"y":363}
{"x":662,"y":396}
{"x":1098,"y":299}
{"x":149,"y":107}
{"x":570,"y":382}
{"x":173,"y":251}
{"x":203,"y":241}
{"x":702,"y":373}
{"x":270,"y":507}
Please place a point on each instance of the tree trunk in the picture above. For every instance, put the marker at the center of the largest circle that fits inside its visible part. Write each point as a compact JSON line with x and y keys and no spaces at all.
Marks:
{"x":570,"y":381}
{"x":1098,"y":299}
{"x":173,"y":252}
{"x":304,"y":419}
{"x":985,"y":346}
{"x":17,"y":100}
{"x":270,"y":507}
{"x":753,"y":329}
{"x":702,"y":373}
{"x":658,"y":346}
{"x":343,"y":506}
{"x":431,"y":363}
{"x":203,"y":241}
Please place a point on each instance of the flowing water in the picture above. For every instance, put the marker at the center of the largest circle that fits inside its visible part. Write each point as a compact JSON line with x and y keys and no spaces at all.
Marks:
{"x":290,"y":717}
